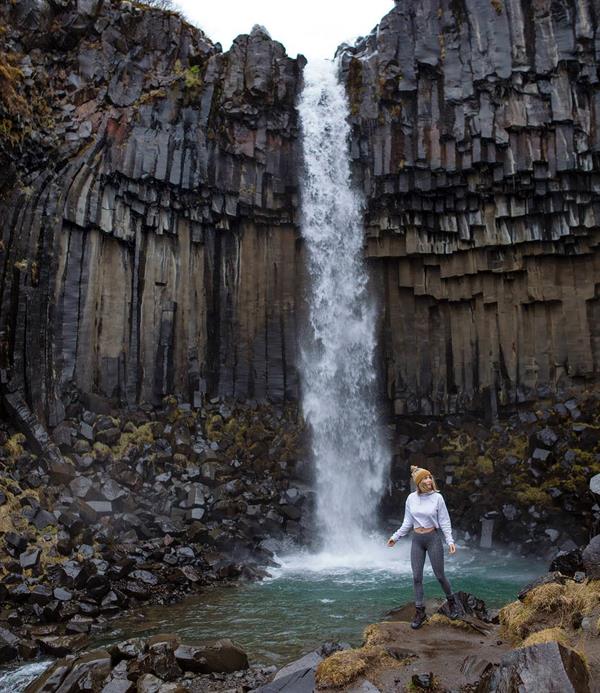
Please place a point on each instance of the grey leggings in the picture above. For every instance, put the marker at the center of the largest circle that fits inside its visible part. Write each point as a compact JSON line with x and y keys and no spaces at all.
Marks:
{"x":431,"y":544}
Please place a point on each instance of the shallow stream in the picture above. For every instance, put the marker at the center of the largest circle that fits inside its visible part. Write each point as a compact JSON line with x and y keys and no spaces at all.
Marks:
{"x":309,"y":600}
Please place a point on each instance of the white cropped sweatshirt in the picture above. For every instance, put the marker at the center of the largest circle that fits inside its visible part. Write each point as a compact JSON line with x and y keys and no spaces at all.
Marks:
{"x":425,"y":510}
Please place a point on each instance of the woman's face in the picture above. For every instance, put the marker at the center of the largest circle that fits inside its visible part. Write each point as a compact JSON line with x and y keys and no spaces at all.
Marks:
{"x":426,"y":484}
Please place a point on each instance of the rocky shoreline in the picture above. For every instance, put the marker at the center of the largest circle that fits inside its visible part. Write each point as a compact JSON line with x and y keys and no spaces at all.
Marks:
{"x":548,"y":639}
{"x":140,"y":507}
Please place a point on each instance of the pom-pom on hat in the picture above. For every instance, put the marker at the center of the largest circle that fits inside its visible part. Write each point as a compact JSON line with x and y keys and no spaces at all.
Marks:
{"x":418,"y":474}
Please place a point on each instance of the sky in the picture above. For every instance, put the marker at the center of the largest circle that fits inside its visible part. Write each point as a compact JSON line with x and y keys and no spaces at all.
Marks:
{"x":314,"y":28}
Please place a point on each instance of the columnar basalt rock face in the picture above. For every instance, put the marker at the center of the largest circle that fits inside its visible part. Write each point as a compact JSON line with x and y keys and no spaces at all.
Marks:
{"x":149,"y":241}
{"x":148,"y":188}
{"x":476,"y":141}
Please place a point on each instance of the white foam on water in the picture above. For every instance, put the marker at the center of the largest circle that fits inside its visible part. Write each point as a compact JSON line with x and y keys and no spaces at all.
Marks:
{"x":366,"y":559}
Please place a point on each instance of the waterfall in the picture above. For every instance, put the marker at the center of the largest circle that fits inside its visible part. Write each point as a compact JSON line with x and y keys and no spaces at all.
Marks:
{"x":337,"y":361}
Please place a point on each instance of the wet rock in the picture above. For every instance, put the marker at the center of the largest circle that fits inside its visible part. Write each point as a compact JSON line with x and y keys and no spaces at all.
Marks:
{"x":548,"y":667}
{"x":51,"y":679}
{"x":223,"y":656}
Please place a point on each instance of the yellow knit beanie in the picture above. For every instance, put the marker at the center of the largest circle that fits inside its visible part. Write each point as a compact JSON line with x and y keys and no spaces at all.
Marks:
{"x":418,"y":474}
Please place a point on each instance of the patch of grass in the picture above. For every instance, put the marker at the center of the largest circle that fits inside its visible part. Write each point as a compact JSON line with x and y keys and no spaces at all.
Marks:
{"x":484,"y":465}
{"x":545,"y":598}
{"x":555,"y":634}
{"x":533,"y":495}
{"x":153,"y":95}
{"x":142,"y":435}
{"x":14,"y":446}
{"x":193,"y":78}
{"x":440,"y":619}
{"x":549,"y":606}
{"x":340,"y":669}
{"x":515,"y":620}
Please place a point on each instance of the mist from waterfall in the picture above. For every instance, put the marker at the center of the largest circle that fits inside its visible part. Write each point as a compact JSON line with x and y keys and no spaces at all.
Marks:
{"x":337,"y":362}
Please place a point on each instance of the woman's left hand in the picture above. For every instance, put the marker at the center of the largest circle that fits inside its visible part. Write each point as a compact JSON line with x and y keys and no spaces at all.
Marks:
{"x":452,"y":548}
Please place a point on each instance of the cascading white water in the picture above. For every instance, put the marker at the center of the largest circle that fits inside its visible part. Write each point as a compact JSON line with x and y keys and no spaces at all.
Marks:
{"x":337,"y":363}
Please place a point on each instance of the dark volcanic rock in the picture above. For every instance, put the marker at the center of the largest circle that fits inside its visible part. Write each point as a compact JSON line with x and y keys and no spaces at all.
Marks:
{"x":568,"y":562}
{"x":465,"y":120}
{"x":223,"y":656}
{"x":548,"y":667}
{"x":178,"y":143}
{"x":591,"y":558}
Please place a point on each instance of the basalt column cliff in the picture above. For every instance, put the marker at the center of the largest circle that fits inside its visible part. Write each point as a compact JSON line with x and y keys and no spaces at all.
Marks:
{"x":149,"y":206}
{"x":148,"y":209}
{"x":476,"y":137}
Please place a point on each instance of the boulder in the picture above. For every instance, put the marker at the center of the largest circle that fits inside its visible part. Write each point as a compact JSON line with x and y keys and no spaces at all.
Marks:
{"x":223,"y":656}
{"x":8,"y":645}
{"x":591,"y":558}
{"x":30,"y":559}
{"x":568,"y":562}
{"x":548,"y":667}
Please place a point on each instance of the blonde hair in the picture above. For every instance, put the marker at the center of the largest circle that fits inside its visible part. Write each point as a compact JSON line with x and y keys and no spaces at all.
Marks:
{"x":433,"y":487}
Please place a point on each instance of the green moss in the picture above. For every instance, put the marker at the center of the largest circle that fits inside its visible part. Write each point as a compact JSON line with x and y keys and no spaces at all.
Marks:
{"x":355,"y":85}
{"x":193,"y":78}
{"x":140,"y":436}
{"x":533,"y":495}
{"x":14,"y":446}
{"x":484,"y":465}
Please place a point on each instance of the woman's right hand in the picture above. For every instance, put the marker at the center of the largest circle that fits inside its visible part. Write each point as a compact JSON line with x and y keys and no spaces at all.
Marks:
{"x":391,"y":542}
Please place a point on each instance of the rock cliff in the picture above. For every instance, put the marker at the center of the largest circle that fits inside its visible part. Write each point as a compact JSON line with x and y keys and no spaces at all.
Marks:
{"x":148,"y":198}
{"x":476,"y":141}
{"x":148,"y":190}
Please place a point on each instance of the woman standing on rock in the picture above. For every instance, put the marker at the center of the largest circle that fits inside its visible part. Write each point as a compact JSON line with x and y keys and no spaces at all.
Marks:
{"x":426,"y":512}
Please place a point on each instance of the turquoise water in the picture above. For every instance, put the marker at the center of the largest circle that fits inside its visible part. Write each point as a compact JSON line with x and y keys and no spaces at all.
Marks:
{"x":299,"y":608}
{"x":309,"y":600}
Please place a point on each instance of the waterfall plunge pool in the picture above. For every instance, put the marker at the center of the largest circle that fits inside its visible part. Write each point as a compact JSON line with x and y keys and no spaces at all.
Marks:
{"x":309,"y":600}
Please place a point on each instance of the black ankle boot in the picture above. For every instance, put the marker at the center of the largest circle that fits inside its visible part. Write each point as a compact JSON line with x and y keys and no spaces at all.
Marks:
{"x":419,"y":619}
{"x":453,"y":607}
